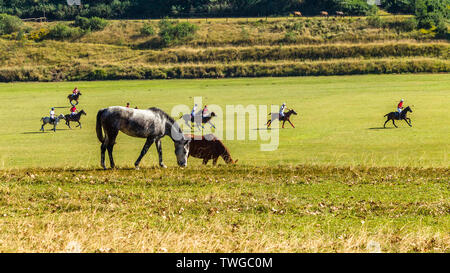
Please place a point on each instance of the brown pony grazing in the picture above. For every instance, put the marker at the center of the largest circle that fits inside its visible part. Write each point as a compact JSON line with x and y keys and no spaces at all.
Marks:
{"x":297,"y":14}
{"x":209,"y":147}
{"x":324,"y":13}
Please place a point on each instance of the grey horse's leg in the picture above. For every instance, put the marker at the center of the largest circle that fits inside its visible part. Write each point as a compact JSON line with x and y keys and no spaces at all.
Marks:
{"x":147,"y":145}
{"x":215,"y":161}
{"x":394,"y":123}
{"x":68,"y":123}
{"x":111,"y":140}
{"x":205,"y":161}
{"x":384,"y":126}
{"x":79,"y":124}
{"x":102,"y":153}
{"x":159,"y":149}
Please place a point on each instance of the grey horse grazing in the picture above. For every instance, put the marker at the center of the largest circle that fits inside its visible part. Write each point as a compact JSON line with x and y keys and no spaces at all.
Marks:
{"x":46,"y":120}
{"x":152,"y":124}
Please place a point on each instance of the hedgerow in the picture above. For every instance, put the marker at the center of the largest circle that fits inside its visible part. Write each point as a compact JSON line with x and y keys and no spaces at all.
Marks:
{"x":191,"y":71}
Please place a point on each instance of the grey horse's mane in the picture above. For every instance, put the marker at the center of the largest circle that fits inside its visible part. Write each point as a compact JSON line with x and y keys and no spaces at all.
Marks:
{"x":171,"y":123}
{"x":161,"y":112}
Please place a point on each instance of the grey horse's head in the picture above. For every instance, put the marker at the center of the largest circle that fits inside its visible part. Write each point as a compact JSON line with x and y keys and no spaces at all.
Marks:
{"x":61,"y":116}
{"x":182,"y":151}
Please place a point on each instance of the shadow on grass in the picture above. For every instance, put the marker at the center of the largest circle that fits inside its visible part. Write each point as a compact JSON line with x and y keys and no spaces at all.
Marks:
{"x":43,"y":132}
{"x":30,"y":133}
{"x":266,"y":129}
{"x":380,"y":128}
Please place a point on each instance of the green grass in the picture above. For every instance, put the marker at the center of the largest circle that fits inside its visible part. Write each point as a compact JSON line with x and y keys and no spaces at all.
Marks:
{"x":338,"y":123}
{"x":225,"y":209}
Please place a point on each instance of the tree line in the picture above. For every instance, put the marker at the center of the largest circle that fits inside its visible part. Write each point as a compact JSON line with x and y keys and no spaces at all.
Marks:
{"x":125,"y":9}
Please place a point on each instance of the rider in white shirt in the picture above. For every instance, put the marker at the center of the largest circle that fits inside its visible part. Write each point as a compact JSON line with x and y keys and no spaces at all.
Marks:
{"x":282,"y":108}
{"x":193,"y":111}
{"x":52,"y":114}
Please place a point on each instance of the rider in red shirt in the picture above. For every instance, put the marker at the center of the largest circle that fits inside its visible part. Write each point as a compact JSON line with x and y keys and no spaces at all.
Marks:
{"x":73,"y":110}
{"x":205,"y":111}
{"x":400,"y":106}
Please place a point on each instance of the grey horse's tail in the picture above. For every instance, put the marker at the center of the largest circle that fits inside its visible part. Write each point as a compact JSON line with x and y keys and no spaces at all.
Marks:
{"x":99,"y":126}
{"x":386,"y":114}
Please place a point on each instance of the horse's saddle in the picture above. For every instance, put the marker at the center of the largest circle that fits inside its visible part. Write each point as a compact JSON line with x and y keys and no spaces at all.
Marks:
{"x":397,"y":115}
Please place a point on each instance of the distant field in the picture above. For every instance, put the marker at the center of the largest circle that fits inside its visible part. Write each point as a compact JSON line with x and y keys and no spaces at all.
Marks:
{"x":221,"y":48}
{"x":338,"y":123}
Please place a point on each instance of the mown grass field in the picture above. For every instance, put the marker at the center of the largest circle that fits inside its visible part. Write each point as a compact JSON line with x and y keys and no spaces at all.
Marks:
{"x":338,"y":123}
{"x":337,"y":182}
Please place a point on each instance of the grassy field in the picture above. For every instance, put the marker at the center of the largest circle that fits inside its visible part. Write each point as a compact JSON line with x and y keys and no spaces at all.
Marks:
{"x":337,"y":182}
{"x":225,"y":209}
{"x":338,"y":123}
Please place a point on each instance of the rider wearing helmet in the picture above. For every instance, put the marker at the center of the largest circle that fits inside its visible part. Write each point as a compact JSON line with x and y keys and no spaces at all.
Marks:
{"x":52,"y":114}
{"x":75,"y":91}
{"x":73,"y":110}
{"x":400,"y":106}
{"x":205,"y":111}
{"x":282,"y":108}
{"x":193,"y":110}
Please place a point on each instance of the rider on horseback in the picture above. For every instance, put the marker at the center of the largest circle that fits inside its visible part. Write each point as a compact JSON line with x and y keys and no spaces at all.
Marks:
{"x":193,"y":111}
{"x":75,"y":92}
{"x":52,"y":115}
{"x":282,"y":108}
{"x":73,"y":111}
{"x":205,"y":111}
{"x":400,"y":107}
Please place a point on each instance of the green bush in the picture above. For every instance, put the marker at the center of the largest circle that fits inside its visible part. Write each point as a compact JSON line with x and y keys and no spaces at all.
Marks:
{"x":174,"y":33}
{"x":354,"y":7}
{"x":398,"y":6}
{"x":62,"y":31}
{"x":92,"y":24}
{"x":374,"y":21}
{"x":147,"y":30}
{"x":9,"y":24}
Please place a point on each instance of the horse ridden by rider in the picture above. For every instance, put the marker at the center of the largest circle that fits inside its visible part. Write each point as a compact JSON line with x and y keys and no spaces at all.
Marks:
{"x":75,"y":117}
{"x":282,"y":116}
{"x":199,"y":118}
{"x":52,"y":119}
{"x":74,"y":96}
{"x":400,"y":114}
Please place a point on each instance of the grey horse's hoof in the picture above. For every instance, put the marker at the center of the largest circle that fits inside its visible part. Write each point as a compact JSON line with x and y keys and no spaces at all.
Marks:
{"x":162,"y":165}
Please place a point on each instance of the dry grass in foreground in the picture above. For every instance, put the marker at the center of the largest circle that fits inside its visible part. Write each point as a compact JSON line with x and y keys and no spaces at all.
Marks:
{"x":237,"y":209}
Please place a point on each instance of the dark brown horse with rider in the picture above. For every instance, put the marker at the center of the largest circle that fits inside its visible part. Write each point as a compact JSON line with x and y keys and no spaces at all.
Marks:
{"x":286,"y":117}
{"x":74,"y":97}
{"x":75,"y":118}
{"x":398,"y":116}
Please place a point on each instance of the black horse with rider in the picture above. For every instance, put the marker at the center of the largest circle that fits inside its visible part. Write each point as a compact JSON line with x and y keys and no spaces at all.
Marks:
{"x":399,"y":116}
